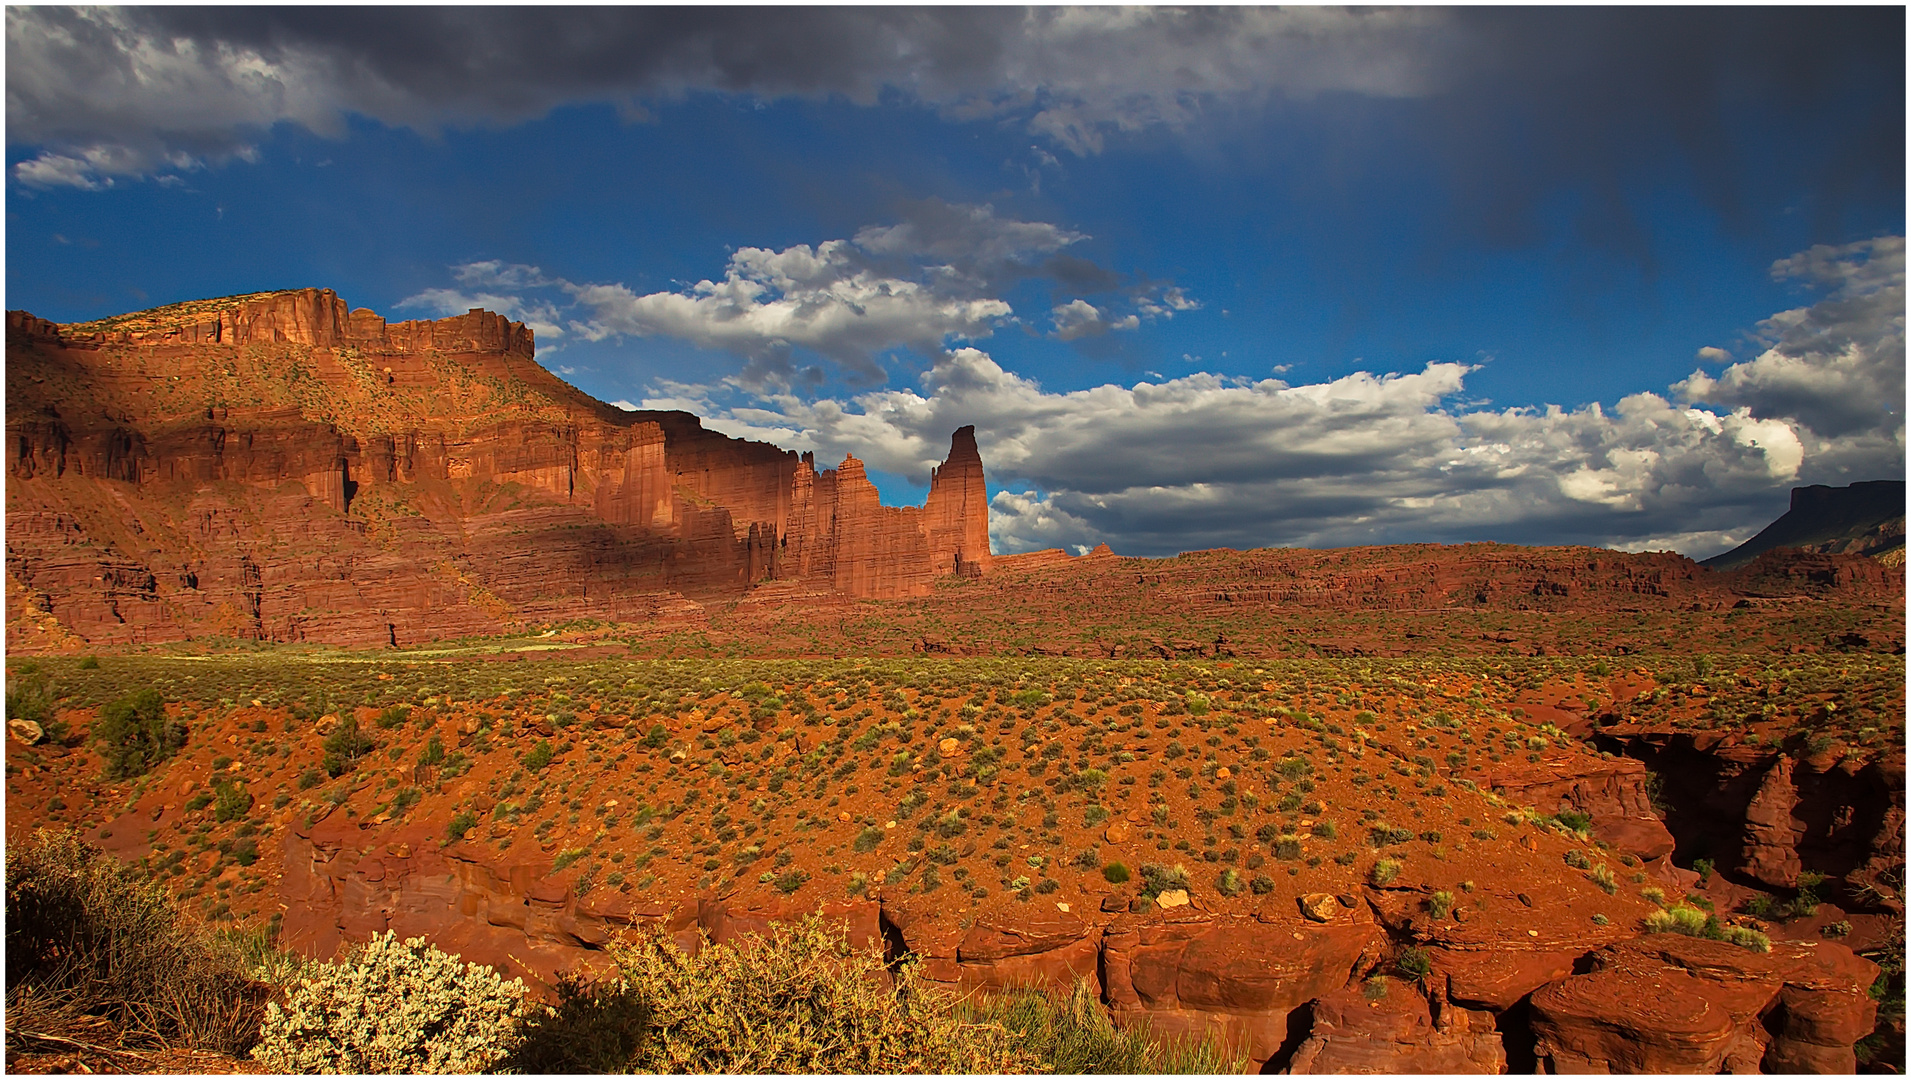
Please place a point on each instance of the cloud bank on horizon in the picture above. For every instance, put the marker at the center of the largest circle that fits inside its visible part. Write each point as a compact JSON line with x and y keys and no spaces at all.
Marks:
{"x":1206,"y":460}
{"x":989,"y":305}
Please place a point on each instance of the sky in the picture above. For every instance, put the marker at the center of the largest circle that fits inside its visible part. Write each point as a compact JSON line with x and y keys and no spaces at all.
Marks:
{"x":1235,"y":277}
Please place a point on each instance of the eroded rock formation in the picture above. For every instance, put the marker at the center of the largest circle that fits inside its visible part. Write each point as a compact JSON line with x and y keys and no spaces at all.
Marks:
{"x":279,"y":467}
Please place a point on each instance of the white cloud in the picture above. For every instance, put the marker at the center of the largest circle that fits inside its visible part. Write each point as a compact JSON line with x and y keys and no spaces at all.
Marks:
{"x":1079,"y":319}
{"x":1836,"y":366}
{"x":824,"y":298}
{"x":541,"y":316}
{"x":923,"y":283}
{"x":1205,"y":460}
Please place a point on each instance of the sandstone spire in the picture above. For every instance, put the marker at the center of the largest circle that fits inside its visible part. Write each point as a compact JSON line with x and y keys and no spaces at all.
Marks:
{"x":957,"y":512}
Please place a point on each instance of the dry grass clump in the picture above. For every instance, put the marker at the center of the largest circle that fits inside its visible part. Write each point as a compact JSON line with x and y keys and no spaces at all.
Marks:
{"x":1075,"y":1035}
{"x":88,"y":936}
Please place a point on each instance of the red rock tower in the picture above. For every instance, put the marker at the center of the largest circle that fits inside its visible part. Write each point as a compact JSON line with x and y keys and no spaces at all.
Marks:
{"x":956,"y":515}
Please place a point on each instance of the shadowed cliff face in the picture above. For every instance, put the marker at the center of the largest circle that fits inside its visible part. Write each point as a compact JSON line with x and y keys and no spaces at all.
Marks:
{"x":280,"y":467}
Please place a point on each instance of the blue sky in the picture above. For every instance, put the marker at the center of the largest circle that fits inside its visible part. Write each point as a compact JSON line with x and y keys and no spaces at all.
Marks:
{"x":1239,"y":277}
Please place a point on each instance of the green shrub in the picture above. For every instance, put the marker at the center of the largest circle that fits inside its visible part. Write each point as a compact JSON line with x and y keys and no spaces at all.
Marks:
{"x":1694,"y":922}
{"x":345,"y":745}
{"x":394,"y":1007}
{"x":1157,"y":879}
{"x":867,"y":840}
{"x":540,"y":755}
{"x":655,"y":737}
{"x":231,"y":800}
{"x":1575,"y":820}
{"x":1229,"y":883}
{"x":1325,"y":830}
{"x":1440,"y":904}
{"x":393,"y":716}
{"x":1745,"y":938}
{"x":1115,"y":873}
{"x":86,"y":934}
{"x":590,"y":1030}
{"x":30,"y":697}
{"x":1414,"y":962}
{"x":1288,"y":848}
{"x":461,"y":823}
{"x":1384,"y":871}
{"x":1601,"y":876}
{"x":800,"y":1001}
{"x":135,"y":734}
{"x":434,"y":751}
{"x":89,"y":663}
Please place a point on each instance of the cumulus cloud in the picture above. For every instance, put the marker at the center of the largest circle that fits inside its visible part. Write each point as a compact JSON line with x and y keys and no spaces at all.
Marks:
{"x":1836,"y":366}
{"x":931,"y":279}
{"x":494,"y":286}
{"x":1079,"y":319}
{"x":1205,"y":460}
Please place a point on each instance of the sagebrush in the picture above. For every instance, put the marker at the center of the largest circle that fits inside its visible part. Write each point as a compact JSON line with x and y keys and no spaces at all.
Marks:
{"x":392,"y":1006}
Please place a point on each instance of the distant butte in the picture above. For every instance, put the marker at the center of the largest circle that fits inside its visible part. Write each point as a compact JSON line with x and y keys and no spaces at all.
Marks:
{"x":278,"y":467}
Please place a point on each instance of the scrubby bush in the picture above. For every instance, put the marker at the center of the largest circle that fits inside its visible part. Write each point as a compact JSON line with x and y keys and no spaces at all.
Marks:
{"x":1440,"y":904}
{"x":867,"y":840}
{"x":1384,"y":871}
{"x":394,"y":1006}
{"x":592,"y":1029}
{"x":1414,"y":962}
{"x":1115,"y":873}
{"x":88,"y":935}
{"x":1157,"y":879}
{"x":540,"y":755}
{"x":30,"y":697}
{"x":230,"y":800}
{"x":135,"y":734}
{"x":801,"y":1001}
{"x":345,"y":745}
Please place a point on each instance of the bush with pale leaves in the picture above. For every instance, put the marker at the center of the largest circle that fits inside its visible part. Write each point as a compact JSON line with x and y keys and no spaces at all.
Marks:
{"x":394,"y":1007}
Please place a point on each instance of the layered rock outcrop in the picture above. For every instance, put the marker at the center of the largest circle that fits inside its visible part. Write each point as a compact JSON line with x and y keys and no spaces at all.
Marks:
{"x":1287,"y":991}
{"x":1671,"y":1004}
{"x":280,"y":467}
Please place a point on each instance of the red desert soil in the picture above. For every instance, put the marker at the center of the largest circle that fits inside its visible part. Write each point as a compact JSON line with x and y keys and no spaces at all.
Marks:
{"x":965,"y":811}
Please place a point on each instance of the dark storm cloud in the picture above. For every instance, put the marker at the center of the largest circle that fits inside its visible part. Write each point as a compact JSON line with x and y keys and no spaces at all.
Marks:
{"x":1518,"y":102}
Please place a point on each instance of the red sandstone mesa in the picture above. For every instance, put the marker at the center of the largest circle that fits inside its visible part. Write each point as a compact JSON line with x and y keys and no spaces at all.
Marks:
{"x":280,"y":468}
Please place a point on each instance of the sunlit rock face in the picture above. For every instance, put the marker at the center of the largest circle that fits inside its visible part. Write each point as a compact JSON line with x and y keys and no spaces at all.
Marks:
{"x":280,"y":467}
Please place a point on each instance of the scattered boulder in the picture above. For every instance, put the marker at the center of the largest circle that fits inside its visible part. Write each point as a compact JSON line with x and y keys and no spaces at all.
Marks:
{"x":1320,"y":907}
{"x":26,"y":731}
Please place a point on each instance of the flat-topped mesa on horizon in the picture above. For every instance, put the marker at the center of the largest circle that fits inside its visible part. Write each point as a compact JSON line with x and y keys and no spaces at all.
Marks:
{"x":280,"y":466}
